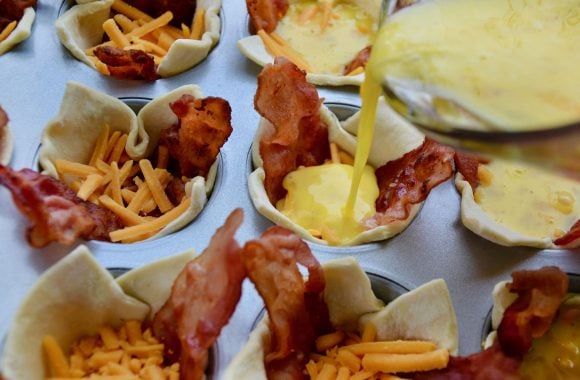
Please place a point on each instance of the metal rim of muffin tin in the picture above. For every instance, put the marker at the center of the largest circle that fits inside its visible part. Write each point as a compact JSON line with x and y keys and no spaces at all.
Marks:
{"x":434,"y":245}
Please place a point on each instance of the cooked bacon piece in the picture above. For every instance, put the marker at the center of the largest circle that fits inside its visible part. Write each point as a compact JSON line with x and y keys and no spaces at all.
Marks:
{"x":3,"y":118}
{"x":296,"y":136}
{"x":360,"y":60}
{"x":203,"y":128}
{"x":409,"y":179}
{"x":127,"y":64}
{"x":56,"y":213}
{"x":404,"y":4}
{"x":468,"y":164}
{"x":570,"y":237}
{"x":3,"y":135}
{"x":296,"y":309}
{"x":265,"y":14}
{"x":13,"y":10}
{"x":175,"y":190}
{"x":203,"y":298}
{"x":540,"y":293}
{"x":182,"y":10}
{"x":491,"y":364}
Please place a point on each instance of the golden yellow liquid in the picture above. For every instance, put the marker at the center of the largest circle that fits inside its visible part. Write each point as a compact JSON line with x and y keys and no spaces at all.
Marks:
{"x":512,"y":62}
{"x":552,"y":202}
{"x":556,"y":355}
{"x":316,"y":197}
{"x":327,"y":47}
{"x":370,"y":92}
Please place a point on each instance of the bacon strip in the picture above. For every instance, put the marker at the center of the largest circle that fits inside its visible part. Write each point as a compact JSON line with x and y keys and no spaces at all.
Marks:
{"x":202,"y":300}
{"x":13,"y":10}
{"x":540,"y":293}
{"x":265,"y":14}
{"x":570,"y":237}
{"x":182,"y":10}
{"x":203,"y":128}
{"x":404,"y":4}
{"x":127,"y":64}
{"x":409,"y":179}
{"x":3,"y":135}
{"x":296,"y":309}
{"x":491,"y":364}
{"x":360,"y":60}
{"x":468,"y":164}
{"x":54,"y":210}
{"x":297,"y":136}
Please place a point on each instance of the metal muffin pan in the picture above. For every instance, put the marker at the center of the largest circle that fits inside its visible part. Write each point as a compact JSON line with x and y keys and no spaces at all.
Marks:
{"x":435,"y":245}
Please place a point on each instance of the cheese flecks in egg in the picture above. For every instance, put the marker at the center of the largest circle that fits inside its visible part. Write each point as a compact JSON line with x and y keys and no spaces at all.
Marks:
{"x":556,"y":355}
{"x":516,"y":204}
{"x":326,"y":38}
{"x":520,"y":74}
{"x":321,"y":37}
{"x":317,"y":196}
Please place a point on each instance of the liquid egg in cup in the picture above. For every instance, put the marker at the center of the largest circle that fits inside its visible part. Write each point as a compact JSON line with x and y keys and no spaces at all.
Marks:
{"x":516,"y":204}
{"x":140,"y":39}
{"x":112,"y":174}
{"x":303,"y":159}
{"x":330,"y":40}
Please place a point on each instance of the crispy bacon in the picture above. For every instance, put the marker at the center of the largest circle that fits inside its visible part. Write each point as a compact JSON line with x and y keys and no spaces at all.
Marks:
{"x":360,"y":60}
{"x":13,"y":10}
{"x":491,"y":364}
{"x":540,"y":293}
{"x":570,"y":237}
{"x":265,"y":14}
{"x":3,"y":118}
{"x":127,"y":64}
{"x":203,"y":128}
{"x":404,"y":4}
{"x":409,"y":179}
{"x":467,"y":164}
{"x":175,"y":190}
{"x":56,"y":213}
{"x":202,"y":300}
{"x":297,"y":136}
{"x":182,"y":10}
{"x":3,"y":133}
{"x":296,"y":309}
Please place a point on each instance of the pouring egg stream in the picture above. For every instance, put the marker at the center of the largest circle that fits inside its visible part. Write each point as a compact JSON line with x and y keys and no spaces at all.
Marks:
{"x":519,"y":75}
{"x":303,"y":159}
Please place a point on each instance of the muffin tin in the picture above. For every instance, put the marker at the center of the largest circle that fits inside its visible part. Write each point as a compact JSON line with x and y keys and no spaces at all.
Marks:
{"x":434,"y":245}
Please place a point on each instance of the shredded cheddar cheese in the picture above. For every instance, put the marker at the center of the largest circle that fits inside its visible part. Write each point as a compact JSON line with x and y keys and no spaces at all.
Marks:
{"x":198,"y":25}
{"x":279,"y":48}
{"x":125,"y":353}
{"x":343,"y":355}
{"x":131,"y":28}
{"x":7,"y":30}
{"x":132,"y":190}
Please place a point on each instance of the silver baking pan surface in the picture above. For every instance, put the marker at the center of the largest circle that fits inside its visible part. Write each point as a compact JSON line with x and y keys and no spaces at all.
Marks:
{"x":436,"y":244}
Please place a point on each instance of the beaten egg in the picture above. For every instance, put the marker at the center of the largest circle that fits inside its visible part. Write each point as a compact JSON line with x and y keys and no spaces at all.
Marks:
{"x":520,"y":74}
{"x":317,"y":196}
{"x":511,"y":62}
{"x":528,"y":200}
{"x":556,"y":355}
{"x":327,"y":36}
